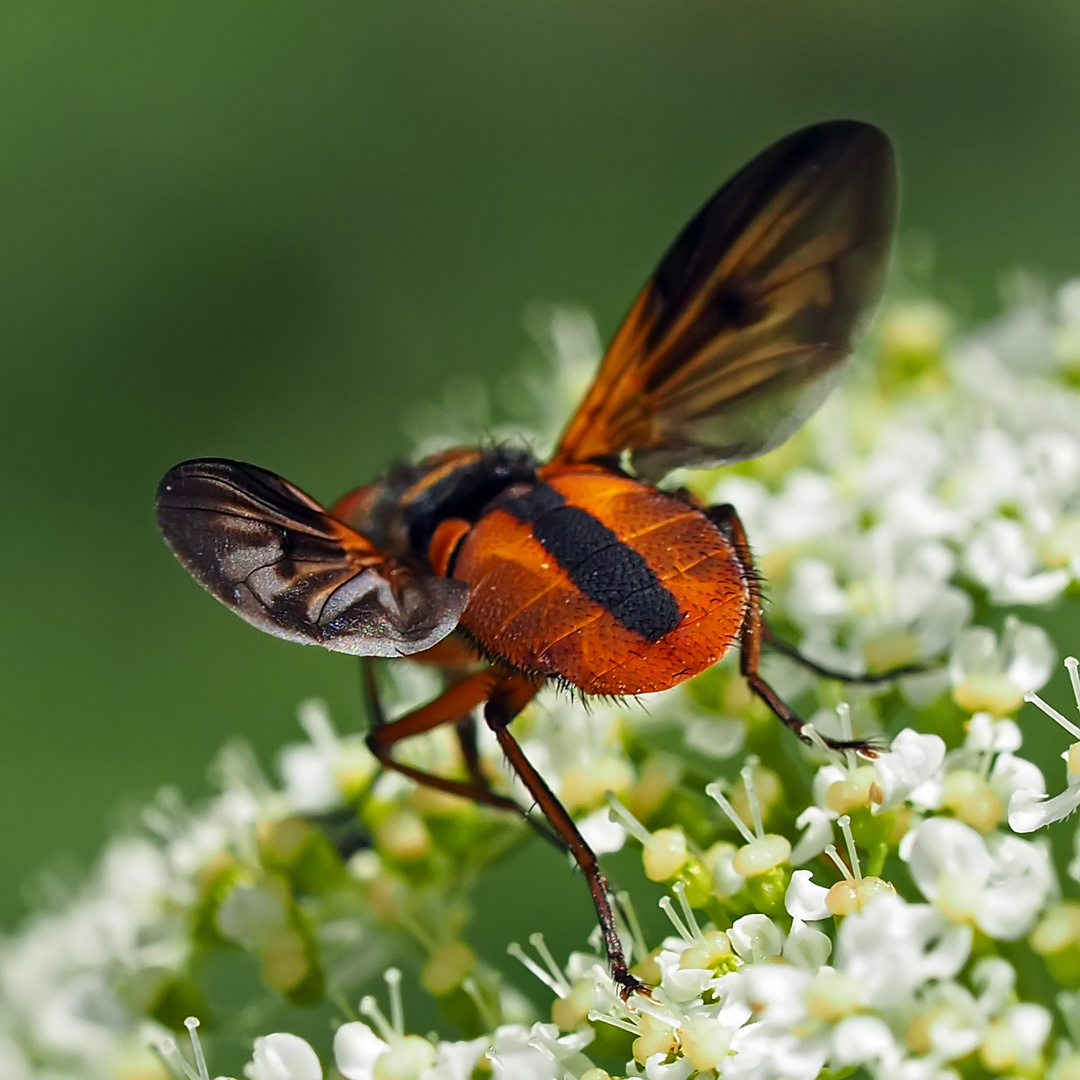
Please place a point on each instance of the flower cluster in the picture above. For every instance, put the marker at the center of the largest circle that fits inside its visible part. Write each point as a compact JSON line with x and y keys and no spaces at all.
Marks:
{"x":826,"y":912}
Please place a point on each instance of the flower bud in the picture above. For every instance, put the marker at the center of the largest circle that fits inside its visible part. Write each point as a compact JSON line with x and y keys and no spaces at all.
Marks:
{"x":584,"y":789}
{"x":656,"y":1038}
{"x":853,"y":792}
{"x":714,"y":951}
{"x":656,"y":782}
{"x":762,"y":855}
{"x":570,"y":1012}
{"x":846,"y":896}
{"x":1056,"y":938}
{"x":705,"y":1043}
{"x":1072,"y":759}
{"x":1001,"y":1050}
{"x":890,"y":650}
{"x":988,"y":691}
{"x":665,"y":854}
{"x":447,"y":968}
{"x":972,"y":800}
{"x":720,"y":860}
{"x":406,"y":1059}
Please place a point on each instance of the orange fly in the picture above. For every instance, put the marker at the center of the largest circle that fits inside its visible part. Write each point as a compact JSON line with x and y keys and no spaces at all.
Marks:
{"x":507,"y":572}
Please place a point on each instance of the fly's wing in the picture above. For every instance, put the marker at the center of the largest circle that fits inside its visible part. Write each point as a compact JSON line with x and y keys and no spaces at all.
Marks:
{"x":741,"y":332}
{"x":282,"y":563}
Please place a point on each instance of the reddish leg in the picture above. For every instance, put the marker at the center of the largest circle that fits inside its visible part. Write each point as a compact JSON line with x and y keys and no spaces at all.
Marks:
{"x":508,"y":699}
{"x":754,"y":631}
{"x":470,"y":749}
{"x":789,"y":650}
{"x":450,"y":707}
{"x":456,"y":701}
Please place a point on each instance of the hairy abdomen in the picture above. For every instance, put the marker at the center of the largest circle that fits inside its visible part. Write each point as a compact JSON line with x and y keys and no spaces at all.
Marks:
{"x":603,"y":581}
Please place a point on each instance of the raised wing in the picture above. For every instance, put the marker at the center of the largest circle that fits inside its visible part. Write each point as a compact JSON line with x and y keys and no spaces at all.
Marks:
{"x":741,"y":332}
{"x":282,"y":563}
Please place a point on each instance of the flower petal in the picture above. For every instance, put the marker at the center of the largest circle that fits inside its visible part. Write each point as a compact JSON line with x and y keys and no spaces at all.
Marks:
{"x":1030,"y":809}
{"x":912,"y":760}
{"x":356,"y":1049}
{"x":805,"y":900}
{"x":282,"y":1056}
{"x":817,"y":826}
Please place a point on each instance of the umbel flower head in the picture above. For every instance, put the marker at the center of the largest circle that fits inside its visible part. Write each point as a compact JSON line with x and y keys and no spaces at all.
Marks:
{"x":824,"y":914}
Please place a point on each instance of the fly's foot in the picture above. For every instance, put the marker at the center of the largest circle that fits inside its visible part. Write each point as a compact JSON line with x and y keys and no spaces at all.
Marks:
{"x":866,"y":748}
{"x":629,"y":984}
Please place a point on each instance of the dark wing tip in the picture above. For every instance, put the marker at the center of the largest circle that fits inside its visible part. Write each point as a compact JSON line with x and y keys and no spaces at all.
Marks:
{"x":870,"y":149}
{"x":199,"y":469}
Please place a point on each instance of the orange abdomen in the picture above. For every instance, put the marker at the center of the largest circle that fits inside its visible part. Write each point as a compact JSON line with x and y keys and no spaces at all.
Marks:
{"x":601,"y":580}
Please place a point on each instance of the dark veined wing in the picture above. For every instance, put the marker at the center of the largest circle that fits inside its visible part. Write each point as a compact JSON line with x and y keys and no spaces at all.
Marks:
{"x":741,"y":332}
{"x":280,"y":561}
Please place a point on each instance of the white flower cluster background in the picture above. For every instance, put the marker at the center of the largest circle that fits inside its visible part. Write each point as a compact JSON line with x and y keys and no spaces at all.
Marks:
{"x":903,"y":918}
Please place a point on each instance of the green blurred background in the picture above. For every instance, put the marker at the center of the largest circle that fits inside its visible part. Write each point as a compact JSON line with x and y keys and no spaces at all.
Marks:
{"x":262,"y":230}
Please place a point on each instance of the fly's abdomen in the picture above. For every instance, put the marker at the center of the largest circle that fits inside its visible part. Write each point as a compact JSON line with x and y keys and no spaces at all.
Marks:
{"x":603,"y":581}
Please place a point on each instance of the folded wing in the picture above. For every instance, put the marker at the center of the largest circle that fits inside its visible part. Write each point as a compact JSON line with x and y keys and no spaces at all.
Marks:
{"x":282,"y":563}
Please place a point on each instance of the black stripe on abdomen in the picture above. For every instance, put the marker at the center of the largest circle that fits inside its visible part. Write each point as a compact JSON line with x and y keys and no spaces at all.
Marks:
{"x":605,"y":569}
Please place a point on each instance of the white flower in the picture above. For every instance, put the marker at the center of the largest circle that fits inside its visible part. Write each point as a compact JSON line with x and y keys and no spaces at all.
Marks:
{"x":776,"y":993}
{"x":913,"y":760}
{"x":864,"y":1040}
{"x":756,"y":938}
{"x":1029,"y":807}
{"x":804,"y":900}
{"x":816,"y":824}
{"x":894,"y":596}
{"x":890,"y":949}
{"x":283,"y":1057}
{"x":656,"y":1068}
{"x":356,"y":1049}
{"x":990,"y":674}
{"x":987,"y":734}
{"x":1000,"y":558}
{"x":602,"y":833}
{"x":456,"y":1060}
{"x":536,"y":1053}
{"x":762,"y":1052}
{"x":807,"y":948}
{"x":999,"y":883}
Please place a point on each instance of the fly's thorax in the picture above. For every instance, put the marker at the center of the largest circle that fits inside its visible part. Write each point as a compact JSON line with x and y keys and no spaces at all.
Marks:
{"x":456,"y":485}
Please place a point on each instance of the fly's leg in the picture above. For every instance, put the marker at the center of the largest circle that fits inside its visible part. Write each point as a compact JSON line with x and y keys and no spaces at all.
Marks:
{"x":470,"y":749}
{"x":507,"y":700}
{"x":449,"y":707}
{"x":790,"y":651}
{"x":754,"y":632}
